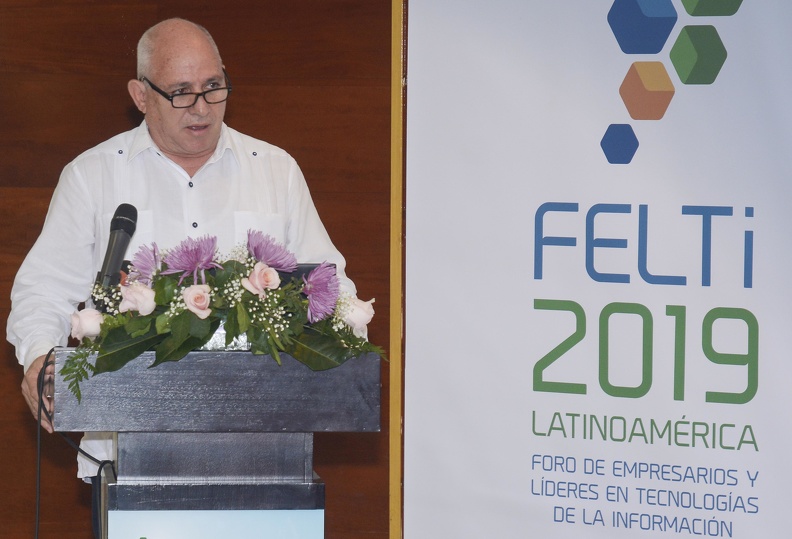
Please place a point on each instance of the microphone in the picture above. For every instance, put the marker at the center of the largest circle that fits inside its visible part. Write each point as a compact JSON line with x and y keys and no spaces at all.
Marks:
{"x":122,"y":227}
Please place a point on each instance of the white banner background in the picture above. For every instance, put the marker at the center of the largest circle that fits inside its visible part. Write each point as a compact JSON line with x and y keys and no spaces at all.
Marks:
{"x":507,"y":103}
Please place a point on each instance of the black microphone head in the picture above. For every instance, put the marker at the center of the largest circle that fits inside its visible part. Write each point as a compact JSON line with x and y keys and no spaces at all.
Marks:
{"x":124,"y":218}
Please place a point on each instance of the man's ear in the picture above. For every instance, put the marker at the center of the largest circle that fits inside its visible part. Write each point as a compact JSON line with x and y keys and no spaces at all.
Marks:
{"x":137,"y":90}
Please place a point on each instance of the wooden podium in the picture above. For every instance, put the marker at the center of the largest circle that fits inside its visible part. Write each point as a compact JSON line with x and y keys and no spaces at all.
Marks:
{"x":219,"y":439}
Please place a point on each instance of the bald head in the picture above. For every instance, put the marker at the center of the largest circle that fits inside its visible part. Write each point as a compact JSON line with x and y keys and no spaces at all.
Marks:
{"x":160,"y":41}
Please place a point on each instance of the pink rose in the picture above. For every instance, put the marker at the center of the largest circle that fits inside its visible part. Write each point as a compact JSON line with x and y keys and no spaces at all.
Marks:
{"x":261,"y":279}
{"x":86,"y":323}
{"x":197,"y":299}
{"x":358,"y":315}
{"x":137,"y":297}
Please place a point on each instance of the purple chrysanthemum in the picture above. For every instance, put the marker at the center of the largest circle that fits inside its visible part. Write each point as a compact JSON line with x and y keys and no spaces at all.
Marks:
{"x":321,"y":288}
{"x":265,"y":249}
{"x":191,"y":257}
{"x":145,"y":264}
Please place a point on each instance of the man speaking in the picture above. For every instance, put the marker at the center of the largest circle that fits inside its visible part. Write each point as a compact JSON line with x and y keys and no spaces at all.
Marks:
{"x":186,"y":173}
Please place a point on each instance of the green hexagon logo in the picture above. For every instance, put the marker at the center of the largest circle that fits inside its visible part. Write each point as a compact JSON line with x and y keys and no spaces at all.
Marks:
{"x":711,"y":8}
{"x":698,"y":54}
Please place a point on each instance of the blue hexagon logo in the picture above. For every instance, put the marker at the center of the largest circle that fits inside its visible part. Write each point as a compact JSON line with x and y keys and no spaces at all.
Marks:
{"x":619,"y":144}
{"x":642,"y":26}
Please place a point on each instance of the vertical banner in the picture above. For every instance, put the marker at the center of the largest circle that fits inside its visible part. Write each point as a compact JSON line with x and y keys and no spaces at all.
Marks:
{"x":598,"y":310}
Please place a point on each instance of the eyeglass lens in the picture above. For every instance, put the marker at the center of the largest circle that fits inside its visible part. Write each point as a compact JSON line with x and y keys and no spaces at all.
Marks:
{"x":188,"y":100}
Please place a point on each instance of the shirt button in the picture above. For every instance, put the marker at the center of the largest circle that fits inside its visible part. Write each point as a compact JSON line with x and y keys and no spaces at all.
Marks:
{"x":195,"y":225}
{"x":191,"y":184}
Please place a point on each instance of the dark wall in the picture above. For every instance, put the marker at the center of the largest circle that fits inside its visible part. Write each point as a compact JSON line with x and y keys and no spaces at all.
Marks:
{"x":311,"y":76}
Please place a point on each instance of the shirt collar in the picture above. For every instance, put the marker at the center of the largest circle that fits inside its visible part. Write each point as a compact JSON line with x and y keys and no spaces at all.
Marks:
{"x":223,"y":144}
{"x":142,"y":141}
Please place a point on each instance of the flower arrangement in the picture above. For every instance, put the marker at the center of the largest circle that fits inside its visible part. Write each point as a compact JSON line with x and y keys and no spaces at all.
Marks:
{"x":175,"y":301}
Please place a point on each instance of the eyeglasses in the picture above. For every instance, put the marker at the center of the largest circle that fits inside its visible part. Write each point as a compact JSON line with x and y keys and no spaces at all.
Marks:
{"x":189,"y":99}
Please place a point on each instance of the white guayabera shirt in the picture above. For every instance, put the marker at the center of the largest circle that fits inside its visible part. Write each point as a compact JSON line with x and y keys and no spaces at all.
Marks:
{"x":246,"y":184}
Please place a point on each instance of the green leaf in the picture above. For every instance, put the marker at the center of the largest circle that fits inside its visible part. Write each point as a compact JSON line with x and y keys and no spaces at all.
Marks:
{"x":138,"y":325}
{"x":276,"y":343}
{"x":180,"y":325}
{"x":118,"y":349}
{"x":243,"y":318}
{"x":201,"y":328}
{"x":319,"y":352}
{"x":174,"y":349}
{"x":260,"y":342}
{"x":346,"y":337}
{"x":163,"y":323}
{"x":164,"y":290}
{"x":230,"y":270}
{"x":276,"y":356}
{"x":231,"y":326}
{"x":186,"y":324}
{"x":77,"y":368}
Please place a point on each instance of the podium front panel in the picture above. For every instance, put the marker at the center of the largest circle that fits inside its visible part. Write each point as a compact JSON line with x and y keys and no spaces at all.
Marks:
{"x":229,"y":457}
{"x":283,"y":524}
{"x":223,"y":392}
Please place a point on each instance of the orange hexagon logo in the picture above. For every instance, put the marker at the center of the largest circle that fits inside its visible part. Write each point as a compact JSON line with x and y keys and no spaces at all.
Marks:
{"x":647,"y":90}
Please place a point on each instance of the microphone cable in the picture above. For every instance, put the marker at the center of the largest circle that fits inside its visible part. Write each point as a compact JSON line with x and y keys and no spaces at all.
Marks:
{"x":41,"y":382}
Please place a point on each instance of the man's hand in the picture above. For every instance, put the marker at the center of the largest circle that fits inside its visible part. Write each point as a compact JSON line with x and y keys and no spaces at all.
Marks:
{"x":30,"y":390}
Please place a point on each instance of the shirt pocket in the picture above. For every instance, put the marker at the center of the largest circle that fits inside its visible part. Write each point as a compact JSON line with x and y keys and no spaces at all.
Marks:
{"x":273,"y":224}
{"x":144,"y":233}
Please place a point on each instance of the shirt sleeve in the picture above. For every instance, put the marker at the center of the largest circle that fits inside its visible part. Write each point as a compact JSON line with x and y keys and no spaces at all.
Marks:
{"x":307,"y":237}
{"x":56,"y":273}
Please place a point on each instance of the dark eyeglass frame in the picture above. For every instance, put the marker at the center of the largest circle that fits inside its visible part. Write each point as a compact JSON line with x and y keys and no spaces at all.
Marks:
{"x":197,"y":95}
